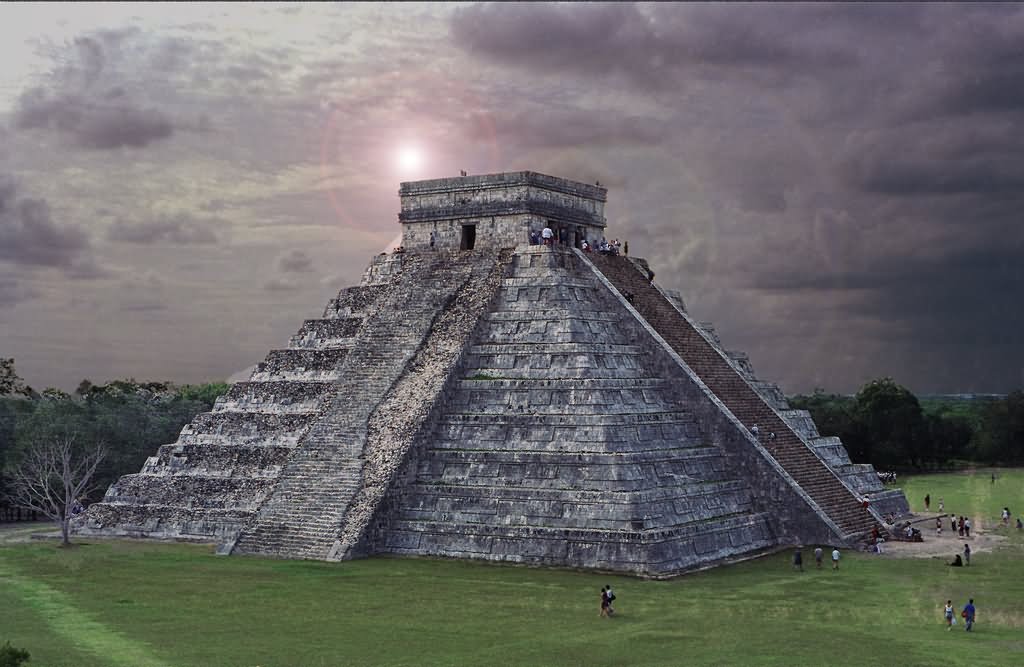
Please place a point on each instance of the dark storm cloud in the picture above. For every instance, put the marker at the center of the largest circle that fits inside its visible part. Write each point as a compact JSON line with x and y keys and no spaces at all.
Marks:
{"x":29,"y":237}
{"x":570,"y":127}
{"x":180,"y":229}
{"x":88,"y":101}
{"x":12,"y":291}
{"x":295,"y":261}
{"x":651,"y":44}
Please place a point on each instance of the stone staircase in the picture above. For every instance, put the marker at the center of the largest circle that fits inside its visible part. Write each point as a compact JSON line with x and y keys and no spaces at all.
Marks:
{"x":747,"y":405}
{"x":562,"y":443}
{"x":207,"y":485}
{"x":326,"y":494}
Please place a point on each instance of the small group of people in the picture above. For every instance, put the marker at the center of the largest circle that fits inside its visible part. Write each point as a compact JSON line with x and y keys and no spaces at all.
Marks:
{"x":607,"y":597}
{"x":605,"y":247}
{"x":544,"y":236}
{"x":966,"y":560}
{"x":968,"y":614}
{"x":819,"y":554}
{"x":962,"y":526}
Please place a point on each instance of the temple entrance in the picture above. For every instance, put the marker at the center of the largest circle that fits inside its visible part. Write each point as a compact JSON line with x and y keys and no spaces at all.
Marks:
{"x":468,"y":237}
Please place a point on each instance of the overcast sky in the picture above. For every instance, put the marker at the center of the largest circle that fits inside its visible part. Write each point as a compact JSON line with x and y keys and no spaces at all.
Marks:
{"x":838,"y":188}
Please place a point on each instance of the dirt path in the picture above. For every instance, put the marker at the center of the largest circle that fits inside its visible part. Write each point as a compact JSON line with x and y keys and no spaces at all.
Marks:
{"x":21,"y":531}
{"x":945,"y":545}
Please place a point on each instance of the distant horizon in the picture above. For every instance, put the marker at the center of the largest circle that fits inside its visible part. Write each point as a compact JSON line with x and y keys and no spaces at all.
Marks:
{"x":181,"y":185}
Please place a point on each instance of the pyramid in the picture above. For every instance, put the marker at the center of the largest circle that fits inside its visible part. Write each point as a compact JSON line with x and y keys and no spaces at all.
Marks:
{"x":476,"y":396}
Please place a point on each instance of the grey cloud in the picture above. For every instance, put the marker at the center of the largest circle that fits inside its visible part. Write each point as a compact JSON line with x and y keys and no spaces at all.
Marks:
{"x":296,"y":261}
{"x":29,"y":237}
{"x":12,"y":291}
{"x":89,"y":101}
{"x":651,"y":45}
{"x":181,"y":229}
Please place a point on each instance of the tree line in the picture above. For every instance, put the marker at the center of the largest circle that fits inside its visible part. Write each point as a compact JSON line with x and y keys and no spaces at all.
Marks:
{"x":129,"y":419}
{"x":886,"y":425}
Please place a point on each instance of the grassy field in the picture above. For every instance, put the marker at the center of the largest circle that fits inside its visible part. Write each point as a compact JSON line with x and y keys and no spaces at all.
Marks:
{"x":132,"y":605}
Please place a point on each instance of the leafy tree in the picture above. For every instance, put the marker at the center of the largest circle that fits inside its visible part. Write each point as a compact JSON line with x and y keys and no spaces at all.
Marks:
{"x":10,"y":381}
{"x":892,"y":423}
{"x":1001,"y":439}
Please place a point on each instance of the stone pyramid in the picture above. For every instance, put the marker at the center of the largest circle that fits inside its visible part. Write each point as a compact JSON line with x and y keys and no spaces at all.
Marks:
{"x":476,"y":396}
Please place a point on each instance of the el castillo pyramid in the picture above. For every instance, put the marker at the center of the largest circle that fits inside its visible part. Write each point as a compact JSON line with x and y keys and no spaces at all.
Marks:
{"x":476,"y":396}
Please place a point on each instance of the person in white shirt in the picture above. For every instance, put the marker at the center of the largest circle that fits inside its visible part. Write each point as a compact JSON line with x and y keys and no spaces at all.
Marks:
{"x":547,"y":235}
{"x":835,"y":559}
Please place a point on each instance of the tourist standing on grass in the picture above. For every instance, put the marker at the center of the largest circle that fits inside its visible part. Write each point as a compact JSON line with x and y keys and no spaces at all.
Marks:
{"x":835,"y":559}
{"x":967,"y":554}
{"x":1006,"y":516}
{"x":798,"y":560}
{"x":604,"y":601}
{"x":968,"y":614}
{"x":941,"y":505}
{"x":927,"y":501}
{"x":967,"y":527}
{"x":611,"y":599}
{"x":948,"y":613}
{"x":952,"y":524}
{"x":938,"y":526}
{"x":1019,"y":524}
{"x":818,"y":553}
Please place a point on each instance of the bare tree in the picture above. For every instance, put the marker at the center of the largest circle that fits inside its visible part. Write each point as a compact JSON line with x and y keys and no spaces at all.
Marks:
{"x":52,"y":478}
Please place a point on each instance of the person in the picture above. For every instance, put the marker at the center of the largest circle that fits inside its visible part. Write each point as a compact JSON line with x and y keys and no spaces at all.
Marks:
{"x":625,"y":248}
{"x":650,"y":276}
{"x":968,"y":614}
{"x":534,"y":237}
{"x":960,"y":527}
{"x":433,"y":240}
{"x":952,"y":524}
{"x":940,"y":505}
{"x":967,"y":527}
{"x":611,"y":599}
{"x":584,"y":246}
{"x":948,"y":614}
{"x":755,"y":431}
{"x":957,"y":562}
{"x":604,"y":601}
{"x":547,"y":235}
{"x":927,"y":501}
{"x":798,"y":560}
{"x":993,"y":478}
{"x":1019,"y":524}
{"x":1006,"y":515}
{"x":835,"y":559}
{"x":938,"y":526}
{"x":817,"y":557}
{"x":967,"y":554}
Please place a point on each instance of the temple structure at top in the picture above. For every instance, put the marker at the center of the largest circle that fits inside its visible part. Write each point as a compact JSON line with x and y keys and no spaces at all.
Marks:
{"x":499,"y":210}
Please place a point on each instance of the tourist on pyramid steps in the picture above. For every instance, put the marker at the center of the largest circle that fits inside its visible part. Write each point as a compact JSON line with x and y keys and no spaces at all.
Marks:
{"x":927,"y":502}
{"x":967,"y":527}
{"x":755,"y":431}
{"x":817,"y":556}
{"x":547,"y":235}
{"x":948,"y":615}
{"x":798,"y":560}
{"x":611,"y":599}
{"x":957,"y":562}
{"x":968,"y":615}
{"x":625,"y":248}
{"x":650,"y":277}
{"x":604,"y":601}
{"x":835,"y":559}
{"x":433,"y":240}
{"x":967,"y":554}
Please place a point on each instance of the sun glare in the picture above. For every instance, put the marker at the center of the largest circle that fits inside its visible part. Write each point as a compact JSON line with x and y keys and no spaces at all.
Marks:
{"x":409,"y":158}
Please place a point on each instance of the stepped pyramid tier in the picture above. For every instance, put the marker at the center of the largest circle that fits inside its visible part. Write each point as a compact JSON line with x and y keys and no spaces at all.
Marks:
{"x":478,"y":397}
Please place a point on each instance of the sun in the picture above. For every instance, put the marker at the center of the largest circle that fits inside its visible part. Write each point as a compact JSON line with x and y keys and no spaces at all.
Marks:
{"x":410,"y":158}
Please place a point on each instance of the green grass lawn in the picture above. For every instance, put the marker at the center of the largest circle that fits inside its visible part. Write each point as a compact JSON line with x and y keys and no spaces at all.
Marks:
{"x":136,"y":604}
